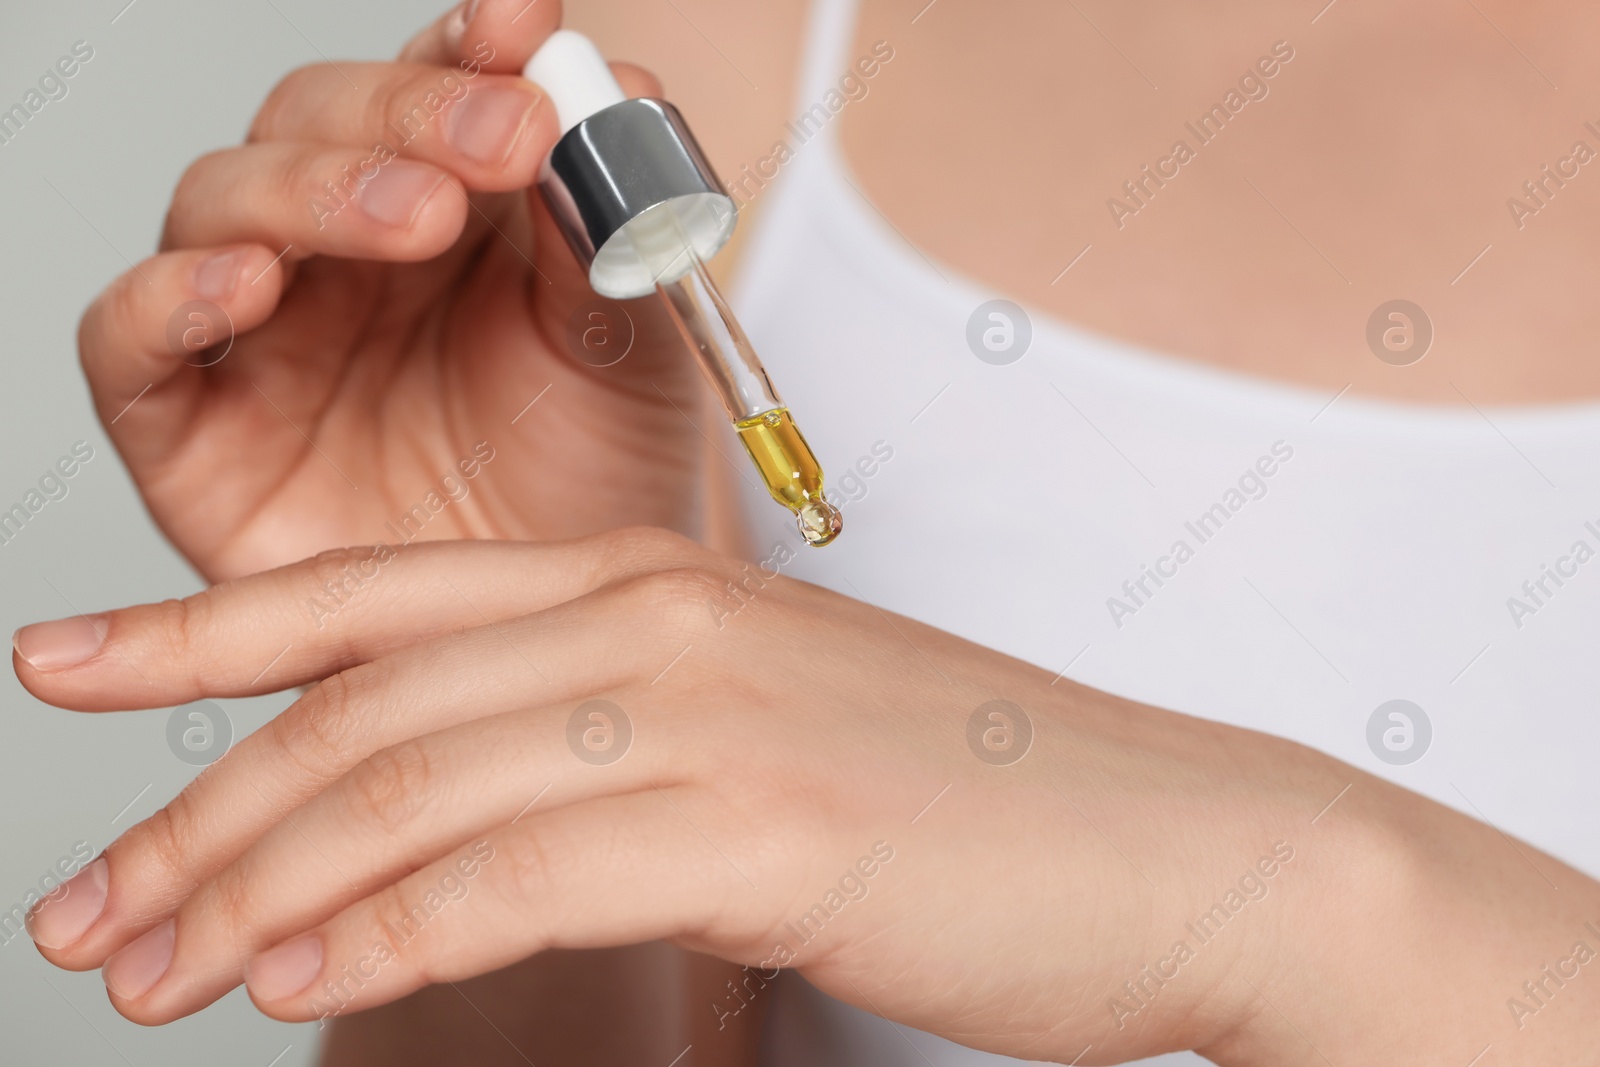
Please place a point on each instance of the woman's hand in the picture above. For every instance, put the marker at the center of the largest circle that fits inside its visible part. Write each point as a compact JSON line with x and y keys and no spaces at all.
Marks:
{"x":390,"y":336}
{"x":520,"y":747}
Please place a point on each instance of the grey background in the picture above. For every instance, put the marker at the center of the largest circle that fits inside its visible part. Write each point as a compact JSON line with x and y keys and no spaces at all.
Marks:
{"x":83,"y":191}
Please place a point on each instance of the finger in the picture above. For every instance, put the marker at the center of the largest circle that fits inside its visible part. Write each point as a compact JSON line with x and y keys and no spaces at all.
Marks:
{"x":614,"y":871}
{"x":478,"y":673}
{"x":300,"y":623}
{"x":490,"y":130}
{"x":147,"y":335}
{"x":315,"y":198}
{"x":499,"y":36}
{"x":399,"y":810}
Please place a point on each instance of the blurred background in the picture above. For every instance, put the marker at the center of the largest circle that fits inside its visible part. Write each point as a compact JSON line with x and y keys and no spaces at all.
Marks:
{"x":83,"y":190}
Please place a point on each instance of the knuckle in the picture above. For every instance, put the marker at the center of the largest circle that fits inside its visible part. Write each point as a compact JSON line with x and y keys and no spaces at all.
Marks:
{"x":117,"y":312}
{"x":196,"y":177}
{"x":400,"y":104}
{"x":188,"y":194}
{"x":621,"y":554}
{"x":393,"y":910}
{"x":692,"y":598}
{"x":530,"y":864}
{"x":338,"y":574}
{"x":332,"y":560}
{"x":273,"y":119}
{"x":198,"y":187}
{"x":178,"y":624}
{"x":232,"y":901}
{"x":168,"y":837}
{"x":193,"y":176}
{"x":302,"y":174}
{"x":640,"y":547}
{"x":322,"y":732}
{"x":391,"y":786}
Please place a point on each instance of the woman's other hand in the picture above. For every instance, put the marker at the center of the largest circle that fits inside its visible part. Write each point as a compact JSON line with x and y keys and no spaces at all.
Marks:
{"x":627,"y":737}
{"x":401,"y":307}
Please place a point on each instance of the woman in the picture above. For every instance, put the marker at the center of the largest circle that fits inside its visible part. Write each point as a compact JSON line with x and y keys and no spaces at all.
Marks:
{"x":937,"y":783}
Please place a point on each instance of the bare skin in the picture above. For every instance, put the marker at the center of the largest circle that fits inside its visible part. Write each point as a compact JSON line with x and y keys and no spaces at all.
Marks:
{"x":743,"y":811}
{"x":1391,"y":142}
{"x":1348,"y":147}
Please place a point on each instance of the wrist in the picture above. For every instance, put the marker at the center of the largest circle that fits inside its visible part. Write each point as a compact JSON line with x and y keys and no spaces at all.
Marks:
{"x":1412,"y":942}
{"x":1357,"y":878}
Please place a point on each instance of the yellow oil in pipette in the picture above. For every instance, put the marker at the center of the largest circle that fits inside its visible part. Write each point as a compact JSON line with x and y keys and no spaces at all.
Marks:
{"x":791,"y":471}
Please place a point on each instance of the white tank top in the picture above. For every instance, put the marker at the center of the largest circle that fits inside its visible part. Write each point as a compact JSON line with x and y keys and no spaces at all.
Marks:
{"x":1339,"y":553}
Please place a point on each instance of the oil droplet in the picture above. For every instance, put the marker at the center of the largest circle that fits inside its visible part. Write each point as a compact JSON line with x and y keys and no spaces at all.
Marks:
{"x":819,"y":522}
{"x":792,"y":474}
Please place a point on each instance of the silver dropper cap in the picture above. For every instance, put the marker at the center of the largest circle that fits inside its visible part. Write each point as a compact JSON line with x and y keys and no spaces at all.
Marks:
{"x":627,"y":182}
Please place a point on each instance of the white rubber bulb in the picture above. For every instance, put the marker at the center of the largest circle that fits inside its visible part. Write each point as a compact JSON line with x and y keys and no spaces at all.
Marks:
{"x":571,"y":70}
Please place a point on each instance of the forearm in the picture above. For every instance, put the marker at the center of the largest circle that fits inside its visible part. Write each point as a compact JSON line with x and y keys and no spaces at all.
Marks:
{"x":1429,"y":937}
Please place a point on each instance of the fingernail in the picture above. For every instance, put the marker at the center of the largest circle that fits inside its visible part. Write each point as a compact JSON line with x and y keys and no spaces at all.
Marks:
{"x":66,"y":915}
{"x":285,"y":970}
{"x":216,"y":278}
{"x":486,"y":124}
{"x":397,"y":193}
{"x":135,"y":970}
{"x":456,"y":28}
{"x":62,"y":643}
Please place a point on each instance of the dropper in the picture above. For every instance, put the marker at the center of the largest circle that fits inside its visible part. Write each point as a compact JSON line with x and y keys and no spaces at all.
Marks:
{"x":642,"y":209}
